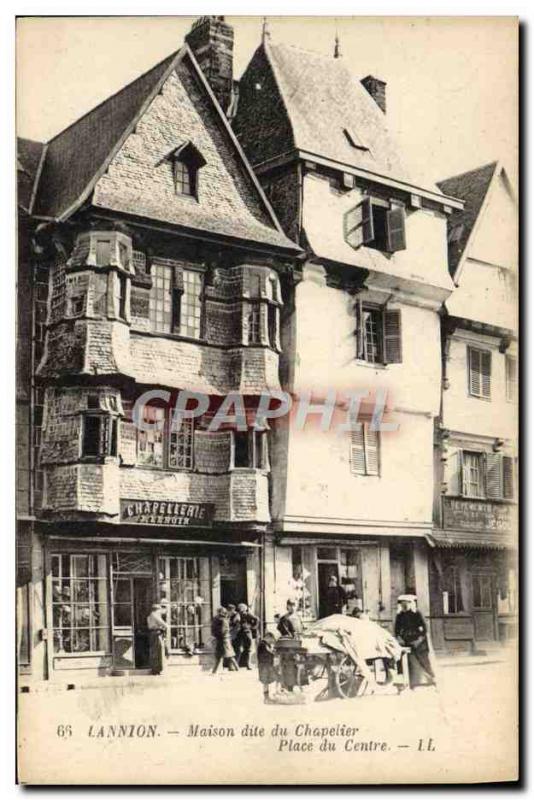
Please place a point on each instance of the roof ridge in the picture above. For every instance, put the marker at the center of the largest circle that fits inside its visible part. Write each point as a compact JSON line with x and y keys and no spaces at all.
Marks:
{"x":111,"y":96}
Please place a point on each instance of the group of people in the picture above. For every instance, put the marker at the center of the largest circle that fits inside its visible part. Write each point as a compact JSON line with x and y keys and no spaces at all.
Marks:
{"x":234,"y":631}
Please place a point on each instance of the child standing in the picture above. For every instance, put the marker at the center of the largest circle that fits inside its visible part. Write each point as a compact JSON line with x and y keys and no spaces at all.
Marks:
{"x":268,"y":673}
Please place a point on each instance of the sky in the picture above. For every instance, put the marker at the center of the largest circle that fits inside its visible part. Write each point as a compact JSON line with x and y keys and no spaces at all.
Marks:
{"x":451,"y":81}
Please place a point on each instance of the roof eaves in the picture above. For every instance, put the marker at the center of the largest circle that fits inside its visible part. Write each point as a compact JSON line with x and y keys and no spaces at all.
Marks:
{"x":37,"y":178}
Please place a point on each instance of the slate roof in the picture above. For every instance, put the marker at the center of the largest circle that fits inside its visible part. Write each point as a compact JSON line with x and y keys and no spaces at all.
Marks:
{"x":323,"y":102}
{"x":80,"y":154}
{"x":29,"y":153}
{"x":471,"y":187}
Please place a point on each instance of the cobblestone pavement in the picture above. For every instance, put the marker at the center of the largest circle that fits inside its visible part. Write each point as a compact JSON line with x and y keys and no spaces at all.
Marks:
{"x":202,"y":728}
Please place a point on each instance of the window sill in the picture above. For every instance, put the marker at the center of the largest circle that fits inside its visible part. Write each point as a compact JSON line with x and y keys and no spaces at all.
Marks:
{"x":360,"y":362}
{"x":85,"y":654}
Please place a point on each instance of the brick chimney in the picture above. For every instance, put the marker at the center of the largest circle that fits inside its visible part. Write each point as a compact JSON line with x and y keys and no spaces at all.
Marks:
{"x":377,"y":90}
{"x":212,"y":41}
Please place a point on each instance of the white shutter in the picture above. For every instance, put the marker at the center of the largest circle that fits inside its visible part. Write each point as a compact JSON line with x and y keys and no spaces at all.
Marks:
{"x":454,"y":473}
{"x":371,"y":451}
{"x":508,"y":477}
{"x":357,"y":452}
{"x":473,"y":357}
{"x":358,"y":224}
{"x":494,"y":474}
{"x":485,"y":369}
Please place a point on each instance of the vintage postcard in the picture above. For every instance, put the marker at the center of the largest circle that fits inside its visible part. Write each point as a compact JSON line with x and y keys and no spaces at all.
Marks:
{"x":267,"y":427}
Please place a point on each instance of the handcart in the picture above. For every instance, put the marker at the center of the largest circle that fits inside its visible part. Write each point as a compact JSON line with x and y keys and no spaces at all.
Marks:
{"x":349,"y":657}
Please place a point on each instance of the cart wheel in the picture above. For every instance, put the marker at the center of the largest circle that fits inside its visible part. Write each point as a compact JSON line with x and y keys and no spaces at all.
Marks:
{"x":347,"y":679}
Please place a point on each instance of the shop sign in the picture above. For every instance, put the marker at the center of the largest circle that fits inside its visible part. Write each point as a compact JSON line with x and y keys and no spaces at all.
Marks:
{"x":464,"y":514}
{"x":167,"y":512}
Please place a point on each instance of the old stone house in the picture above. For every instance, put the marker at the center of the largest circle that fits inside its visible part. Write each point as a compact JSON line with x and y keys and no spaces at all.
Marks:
{"x":365,"y":317}
{"x":473,"y":576}
{"x":150,"y":259}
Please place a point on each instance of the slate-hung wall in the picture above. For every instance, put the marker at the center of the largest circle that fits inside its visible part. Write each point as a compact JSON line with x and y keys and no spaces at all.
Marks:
{"x":90,"y":444}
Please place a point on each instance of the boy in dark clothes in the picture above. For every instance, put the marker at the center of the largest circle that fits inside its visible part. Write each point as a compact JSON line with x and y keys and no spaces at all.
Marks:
{"x":268,"y":673}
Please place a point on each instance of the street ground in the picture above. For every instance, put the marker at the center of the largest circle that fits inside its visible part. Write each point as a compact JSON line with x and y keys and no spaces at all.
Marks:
{"x":217,"y":729}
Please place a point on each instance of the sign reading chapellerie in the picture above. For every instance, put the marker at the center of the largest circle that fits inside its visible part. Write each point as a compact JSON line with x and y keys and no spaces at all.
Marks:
{"x":167,"y":512}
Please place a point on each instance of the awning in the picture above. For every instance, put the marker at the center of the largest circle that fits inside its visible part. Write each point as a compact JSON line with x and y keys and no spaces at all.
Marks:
{"x":484,"y":540}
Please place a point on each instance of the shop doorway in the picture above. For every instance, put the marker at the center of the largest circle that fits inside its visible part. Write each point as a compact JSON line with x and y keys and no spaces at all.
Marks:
{"x":325,"y":570}
{"x":233,"y":571}
{"x":132,"y":601}
{"x":484,"y":605}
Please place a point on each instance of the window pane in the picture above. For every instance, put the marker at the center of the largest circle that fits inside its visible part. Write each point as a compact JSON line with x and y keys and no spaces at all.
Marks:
{"x":150,"y":442}
{"x":191,"y":304}
{"x":181,"y":446}
{"x":91,"y":435}
{"x":372,"y":330}
{"x":187,"y":587}
{"x":160,"y":304}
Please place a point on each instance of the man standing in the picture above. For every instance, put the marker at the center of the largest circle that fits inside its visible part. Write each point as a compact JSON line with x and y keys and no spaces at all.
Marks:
{"x":290,"y":625}
{"x":157,"y":635}
{"x":248,"y":630}
{"x":336,"y":597}
{"x":410,"y":631}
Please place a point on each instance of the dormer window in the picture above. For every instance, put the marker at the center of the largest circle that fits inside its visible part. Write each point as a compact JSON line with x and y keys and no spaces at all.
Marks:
{"x":184,"y":178}
{"x":186,"y":161}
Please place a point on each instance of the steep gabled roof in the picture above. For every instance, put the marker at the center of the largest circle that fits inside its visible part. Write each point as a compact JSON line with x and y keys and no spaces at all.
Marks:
{"x":471,"y":187}
{"x":78,"y":156}
{"x":29,"y":157}
{"x":296,"y":99}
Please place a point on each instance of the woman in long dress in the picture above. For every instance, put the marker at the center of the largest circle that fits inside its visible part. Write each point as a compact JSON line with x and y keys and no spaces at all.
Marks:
{"x":220,"y":630}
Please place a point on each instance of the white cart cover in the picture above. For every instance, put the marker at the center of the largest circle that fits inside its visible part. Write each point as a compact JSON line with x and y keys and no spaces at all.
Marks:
{"x":366,"y":638}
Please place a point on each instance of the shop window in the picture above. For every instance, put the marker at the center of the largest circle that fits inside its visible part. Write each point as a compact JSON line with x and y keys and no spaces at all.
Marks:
{"x":300,"y":590}
{"x":100,"y":436}
{"x":80,"y":614}
{"x":164,"y":444}
{"x":350,"y":576}
{"x":511,"y":378}
{"x":185,"y":585}
{"x":364,"y":451}
{"x":452,"y":591}
{"x":479,"y":369}
{"x":250,"y":449}
{"x":375,"y":224}
{"x":23,"y":597}
{"x":378,"y":334}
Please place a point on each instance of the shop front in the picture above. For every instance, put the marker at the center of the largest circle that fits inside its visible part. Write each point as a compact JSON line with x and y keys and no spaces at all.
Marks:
{"x":372,"y":572}
{"x":101,"y":587}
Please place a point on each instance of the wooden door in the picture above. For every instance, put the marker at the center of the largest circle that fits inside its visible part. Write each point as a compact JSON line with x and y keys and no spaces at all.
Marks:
{"x":484,"y":605}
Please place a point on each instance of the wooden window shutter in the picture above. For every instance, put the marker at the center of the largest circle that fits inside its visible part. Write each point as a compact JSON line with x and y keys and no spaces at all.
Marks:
{"x":357,"y":452}
{"x":358,"y":224}
{"x":473,"y":358}
{"x":359,"y":331}
{"x":508,"y":477}
{"x":455,"y":474}
{"x":395,"y":230}
{"x":463,"y":474}
{"x":485,"y":362}
{"x":494,"y":476}
{"x":392,"y":337}
{"x":371,"y":451}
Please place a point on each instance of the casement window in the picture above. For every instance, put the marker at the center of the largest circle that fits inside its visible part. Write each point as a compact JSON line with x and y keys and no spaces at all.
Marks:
{"x":365,"y":451}
{"x":486,"y":475}
{"x":479,"y":370}
{"x":378,"y":334}
{"x":175,"y":304}
{"x":191,"y":304}
{"x":254,"y":324}
{"x":186,"y":587}
{"x":100,"y":435}
{"x":120,"y":286}
{"x":165,"y":445}
{"x":511,"y":378}
{"x":80,"y":611}
{"x":184,"y":178}
{"x":375,"y":224}
{"x":250,"y":450}
{"x":273,"y":325}
{"x":452,"y":591}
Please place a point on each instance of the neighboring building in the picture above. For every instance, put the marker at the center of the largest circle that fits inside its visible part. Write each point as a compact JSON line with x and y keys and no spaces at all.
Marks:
{"x":474,"y":582}
{"x":149,"y":259}
{"x":364,"y":315}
